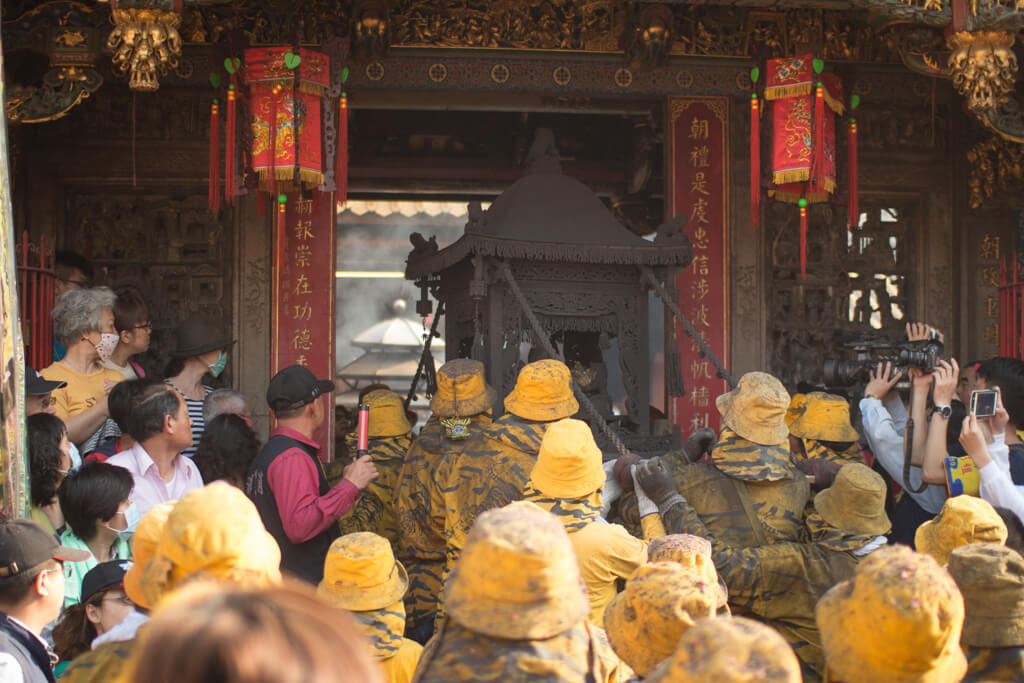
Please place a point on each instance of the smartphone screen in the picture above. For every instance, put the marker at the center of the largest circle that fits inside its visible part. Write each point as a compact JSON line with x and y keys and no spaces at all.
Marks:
{"x":983,"y":403}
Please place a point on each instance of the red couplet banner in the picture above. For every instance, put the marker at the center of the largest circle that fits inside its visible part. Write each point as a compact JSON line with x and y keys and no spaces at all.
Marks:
{"x":303,"y":304}
{"x":697,"y":165}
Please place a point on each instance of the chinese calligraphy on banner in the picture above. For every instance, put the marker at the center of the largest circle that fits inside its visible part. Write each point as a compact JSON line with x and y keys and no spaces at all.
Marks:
{"x":698,"y":150}
{"x":303,"y":305}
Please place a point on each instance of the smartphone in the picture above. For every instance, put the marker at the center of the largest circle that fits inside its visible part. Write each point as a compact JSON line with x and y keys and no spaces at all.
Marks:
{"x":983,"y":403}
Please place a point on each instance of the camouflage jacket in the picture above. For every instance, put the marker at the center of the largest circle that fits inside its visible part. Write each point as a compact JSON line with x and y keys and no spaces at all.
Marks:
{"x":375,"y":509}
{"x":994,"y":664}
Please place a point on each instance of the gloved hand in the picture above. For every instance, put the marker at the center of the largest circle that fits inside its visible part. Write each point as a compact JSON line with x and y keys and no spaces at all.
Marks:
{"x":623,"y":468}
{"x":644,"y":505}
{"x":655,"y":480}
{"x":823,"y":471}
{"x":612,"y":489}
{"x":699,"y":443}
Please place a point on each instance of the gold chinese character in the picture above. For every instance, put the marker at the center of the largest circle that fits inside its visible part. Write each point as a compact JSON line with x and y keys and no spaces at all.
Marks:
{"x":700,"y":237}
{"x":699,"y":184}
{"x":304,"y":207}
{"x":304,"y":230}
{"x":303,"y":311}
{"x":700,"y":316}
{"x":301,"y":360}
{"x":698,"y":421}
{"x":700,"y":264}
{"x":700,"y":211}
{"x":699,"y":129}
{"x":303,"y":256}
{"x":699,"y":396}
{"x":302,"y":285}
{"x":302,"y":340}
{"x":992,"y":332}
{"x":699,"y":288}
{"x":700,"y":157}
{"x":989,"y":277}
{"x":989,"y":248}
{"x":699,"y":369}
{"x":991,"y":307}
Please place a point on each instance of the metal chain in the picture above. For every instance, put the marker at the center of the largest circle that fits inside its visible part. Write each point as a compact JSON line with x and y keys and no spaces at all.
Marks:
{"x":425,"y":354}
{"x":691,"y":332}
{"x":549,"y":348}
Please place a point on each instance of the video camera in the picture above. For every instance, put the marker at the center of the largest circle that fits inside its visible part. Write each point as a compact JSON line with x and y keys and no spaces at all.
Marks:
{"x":866,"y":354}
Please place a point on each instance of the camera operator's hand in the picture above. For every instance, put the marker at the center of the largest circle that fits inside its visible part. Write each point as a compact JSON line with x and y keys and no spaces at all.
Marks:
{"x":947,"y":376}
{"x":999,"y":421}
{"x":972,"y":438}
{"x":883,"y":379}
{"x":922,"y":331}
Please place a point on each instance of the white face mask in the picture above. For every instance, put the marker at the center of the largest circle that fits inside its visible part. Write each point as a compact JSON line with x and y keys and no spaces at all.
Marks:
{"x":108,"y":342}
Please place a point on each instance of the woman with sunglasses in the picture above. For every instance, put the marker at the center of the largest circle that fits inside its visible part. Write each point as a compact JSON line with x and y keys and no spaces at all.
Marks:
{"x":104,"y":605}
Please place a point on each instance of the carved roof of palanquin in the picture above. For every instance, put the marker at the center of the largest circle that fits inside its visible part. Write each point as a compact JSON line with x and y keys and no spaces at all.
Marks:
{"x":548,"y":216}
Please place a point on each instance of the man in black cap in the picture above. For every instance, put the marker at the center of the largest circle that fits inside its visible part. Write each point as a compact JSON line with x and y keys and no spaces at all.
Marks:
{"x":37,"y":393}
{"x":31,"y":596}
{"x":287,"y":481}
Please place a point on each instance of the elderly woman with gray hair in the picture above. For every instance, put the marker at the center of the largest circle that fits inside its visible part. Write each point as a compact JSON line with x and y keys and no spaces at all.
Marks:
{"x":83,"y":321}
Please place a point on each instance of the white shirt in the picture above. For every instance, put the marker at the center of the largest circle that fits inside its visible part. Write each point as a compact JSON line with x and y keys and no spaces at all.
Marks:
{"x":150,"y":488}
{"x":997,"y":486}
{"x":884,"y":426}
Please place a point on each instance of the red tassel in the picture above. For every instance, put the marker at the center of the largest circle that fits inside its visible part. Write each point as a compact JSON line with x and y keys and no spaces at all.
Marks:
{"x":853,"y":212}
{"x":275,"y":104}
{"x":213,"y":198}
{"x":755,"y":161}
{"x":229,"y":144}
{"x":803,"y":239}
{"x":341,"y":163}
{"x":818,"y":178}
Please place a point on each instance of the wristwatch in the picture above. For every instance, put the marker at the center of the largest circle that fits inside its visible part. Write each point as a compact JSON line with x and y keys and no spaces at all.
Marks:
{"x":944,"y":411}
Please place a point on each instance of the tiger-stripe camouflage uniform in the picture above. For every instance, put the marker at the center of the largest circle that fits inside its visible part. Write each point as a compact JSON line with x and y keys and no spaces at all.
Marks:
{"x":420,"y":508}
{"x":782,"y":582}
{"x":375,"y":509}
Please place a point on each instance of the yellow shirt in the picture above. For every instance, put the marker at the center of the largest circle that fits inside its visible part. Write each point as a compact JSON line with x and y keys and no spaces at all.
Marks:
{"x":400,"y":667}
{"x":606,"y":553}
{"x":82,"y":391}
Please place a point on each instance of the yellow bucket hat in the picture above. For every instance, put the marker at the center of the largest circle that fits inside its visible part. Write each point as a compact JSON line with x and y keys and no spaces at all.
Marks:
{"x":543,"y":392}
{"x":796,"y":406}
{"x":692,"y":552}
{"x":756,"y":409}
{"x":387,"y":414}
{"x":736,"y":457}
{"x":568,"y":462}
{"x":517,"y":577}
{"x":855,"y":502}
{"x":991,"y":579}
{"x":962,"y":520}
{"x":661,"y":601}
{"x":212,"y":533}
{"x":897,"y":620}
{"x":362,"y":574}
{"x":729,"y":650}
{"x":825,"y":417}
{"x":147,"y":534}
{"x":461,"y":389}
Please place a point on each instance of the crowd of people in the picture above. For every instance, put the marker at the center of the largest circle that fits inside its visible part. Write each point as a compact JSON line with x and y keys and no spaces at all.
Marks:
{"x":167,"y":543}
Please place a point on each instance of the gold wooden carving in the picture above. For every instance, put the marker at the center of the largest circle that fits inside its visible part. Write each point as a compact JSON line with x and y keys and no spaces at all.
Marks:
{"x":996,"y":167}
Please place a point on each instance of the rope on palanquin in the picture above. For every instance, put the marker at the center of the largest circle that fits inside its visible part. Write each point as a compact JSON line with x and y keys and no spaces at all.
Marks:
{"x":549,"y":348}
{"x":691,"y":331}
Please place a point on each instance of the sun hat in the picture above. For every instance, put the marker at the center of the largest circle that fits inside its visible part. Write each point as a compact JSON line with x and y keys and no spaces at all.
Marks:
{"x":897,"y":620}
{"x":543,"y":392}
{"x":147,"y":534}
{"x":517,"y":577}
{"x":387,"y":414}
{"x":796,"y":406}
{"x":855,"y":502}
{"x":825,"y":417}
{"x":568,"y":462}
{"x":461,"y":389}
{"x":212,"y":533}
{"x":756,"y":409}
{"x":962,"y":520}
{"x":692,"y":552}
{"x":991,"y":579}
{"x":197,"y":336}
{"x":729,"y":650}
{"x":362,"y":574}
{"x":661,"y":601}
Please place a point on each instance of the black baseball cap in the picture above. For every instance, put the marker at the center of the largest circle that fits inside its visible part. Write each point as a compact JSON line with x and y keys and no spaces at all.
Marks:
{"x":295,"y":386}
{"x":105,"y":576}
{"x":36,"y":385}
{"x":25,"y":546}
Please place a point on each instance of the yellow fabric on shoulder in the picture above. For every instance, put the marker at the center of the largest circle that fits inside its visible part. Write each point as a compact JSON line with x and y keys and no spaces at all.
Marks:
{"x":82,"y":391}
{"x":652,"y":527}
{"x":606,"y":553}
{"x":106,"y":664}
{"x":400,"y":667}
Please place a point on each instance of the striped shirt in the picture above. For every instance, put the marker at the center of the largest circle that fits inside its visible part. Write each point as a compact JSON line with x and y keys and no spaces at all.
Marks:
{"x":195,"y":413}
